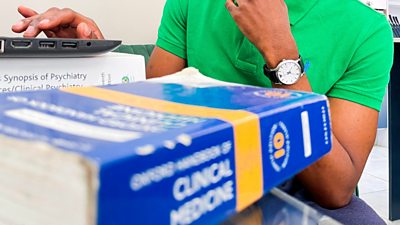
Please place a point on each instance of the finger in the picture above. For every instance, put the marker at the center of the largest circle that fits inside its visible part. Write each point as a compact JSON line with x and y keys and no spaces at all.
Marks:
{"x":231,"y":6}
{"x":21,"y":26}
{"x":66,"y":33}
{"x":58,"y":18}
{"x":31,"y":31}
{"x":29,"y":25}
{"x":96,"y":30}
{"x":50,"y":34}
{"x":54,"y":26}
{"x":26,"y":12}
{"x":98,"y":35}
{"x":85,"y":32}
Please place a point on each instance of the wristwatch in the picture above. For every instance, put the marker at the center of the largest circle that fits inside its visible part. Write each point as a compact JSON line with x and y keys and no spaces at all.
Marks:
{"x":287,"y":72}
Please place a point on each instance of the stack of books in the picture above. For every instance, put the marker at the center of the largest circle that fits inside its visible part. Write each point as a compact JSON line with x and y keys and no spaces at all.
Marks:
{"x":154,"y":152}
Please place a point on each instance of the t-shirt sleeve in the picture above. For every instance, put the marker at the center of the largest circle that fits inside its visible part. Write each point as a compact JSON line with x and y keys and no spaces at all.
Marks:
{"x":365,"y":80}
{"x":172,"y":30}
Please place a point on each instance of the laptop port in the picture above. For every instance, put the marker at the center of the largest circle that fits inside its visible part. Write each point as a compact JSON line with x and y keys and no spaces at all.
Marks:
{"x":69,"y":44}
{"x":21,"y":43}
{"x":2,"y":46}
{"x":47,"y":44}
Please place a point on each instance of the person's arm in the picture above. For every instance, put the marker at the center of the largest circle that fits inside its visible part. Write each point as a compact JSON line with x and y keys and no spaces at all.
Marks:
{"x":331,"y":180}
{"x":169,"y":55}
{"x":55,"y":22}
{"x":163,"y":63}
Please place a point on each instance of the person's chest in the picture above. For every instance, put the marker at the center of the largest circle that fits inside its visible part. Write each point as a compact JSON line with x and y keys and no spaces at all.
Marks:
{"x":216,"y":46}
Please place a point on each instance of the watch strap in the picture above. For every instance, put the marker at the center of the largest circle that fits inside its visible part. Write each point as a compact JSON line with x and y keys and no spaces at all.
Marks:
{"x":271,"y":74}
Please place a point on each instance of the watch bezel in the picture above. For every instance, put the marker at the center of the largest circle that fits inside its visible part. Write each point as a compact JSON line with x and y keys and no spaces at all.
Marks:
{"x":292,"y":63}
{"x":272,"y":73}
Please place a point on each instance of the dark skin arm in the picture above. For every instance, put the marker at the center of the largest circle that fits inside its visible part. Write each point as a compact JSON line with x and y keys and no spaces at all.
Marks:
{"x":162,"y":63}
{"x":332,"y":180}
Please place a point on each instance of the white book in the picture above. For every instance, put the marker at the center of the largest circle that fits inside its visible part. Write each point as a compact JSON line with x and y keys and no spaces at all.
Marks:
{"x":31,"y":74}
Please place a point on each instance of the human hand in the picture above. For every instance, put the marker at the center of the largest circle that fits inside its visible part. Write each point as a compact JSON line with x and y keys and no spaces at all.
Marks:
{"x":266,"y":24}
{"x":63,"y":23}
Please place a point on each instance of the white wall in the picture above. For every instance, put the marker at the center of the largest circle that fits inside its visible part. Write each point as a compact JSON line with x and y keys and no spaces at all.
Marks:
{"x":394,"y":7}
{"x":133,"y":21}
{"x":376,"y":4}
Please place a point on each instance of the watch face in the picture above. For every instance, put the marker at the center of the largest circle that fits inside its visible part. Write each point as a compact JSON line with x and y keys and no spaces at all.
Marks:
{"x":289,"y":72}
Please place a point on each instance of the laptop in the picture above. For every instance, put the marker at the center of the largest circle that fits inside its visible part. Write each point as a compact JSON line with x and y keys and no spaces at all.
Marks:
{"x":54,"y":47}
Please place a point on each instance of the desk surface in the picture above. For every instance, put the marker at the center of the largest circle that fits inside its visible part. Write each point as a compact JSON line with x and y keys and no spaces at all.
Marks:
{"x":279,"y":208}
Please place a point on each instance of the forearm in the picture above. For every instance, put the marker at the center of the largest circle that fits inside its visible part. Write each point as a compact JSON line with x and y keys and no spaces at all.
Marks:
{"x":331,"y":180}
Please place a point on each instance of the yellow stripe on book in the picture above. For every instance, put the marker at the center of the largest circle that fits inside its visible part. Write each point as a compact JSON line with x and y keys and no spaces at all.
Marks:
{"x":248,"y":156}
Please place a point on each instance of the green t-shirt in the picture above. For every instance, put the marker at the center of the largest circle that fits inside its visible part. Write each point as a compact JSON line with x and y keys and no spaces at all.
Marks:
{"x":347,"y":47}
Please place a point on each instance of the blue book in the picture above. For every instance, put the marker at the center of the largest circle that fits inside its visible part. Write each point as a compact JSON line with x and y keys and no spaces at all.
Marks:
{"x":152,"y":153}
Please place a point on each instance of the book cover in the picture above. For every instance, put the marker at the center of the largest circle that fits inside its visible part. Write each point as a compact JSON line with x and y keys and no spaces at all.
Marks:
{"x":32,"y":74}
{"x":152,"y":152}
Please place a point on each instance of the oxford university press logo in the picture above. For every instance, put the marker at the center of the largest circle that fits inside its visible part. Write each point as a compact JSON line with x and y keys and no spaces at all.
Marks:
{"x":125,"y":80}
{"x":279,"y":146}
{"x":128,"y":79}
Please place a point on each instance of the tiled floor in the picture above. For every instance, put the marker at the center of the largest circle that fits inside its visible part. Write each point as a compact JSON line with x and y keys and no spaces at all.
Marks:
{"x":374,"y":183}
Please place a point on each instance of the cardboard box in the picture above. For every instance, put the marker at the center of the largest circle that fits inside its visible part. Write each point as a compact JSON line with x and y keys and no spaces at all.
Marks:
{"x":152,"y":152}
{"x":32,"y":74}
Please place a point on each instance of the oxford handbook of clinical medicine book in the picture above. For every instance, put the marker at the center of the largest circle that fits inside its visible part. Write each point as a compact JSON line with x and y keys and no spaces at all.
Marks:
{"x":152,"y":152}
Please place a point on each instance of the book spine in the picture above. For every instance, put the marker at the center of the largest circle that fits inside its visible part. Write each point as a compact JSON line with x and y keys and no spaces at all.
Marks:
{"x":203,"y":178}
{"x":19,"y":74}
{"x":191,"y":183}
{"x":294,"y":139}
